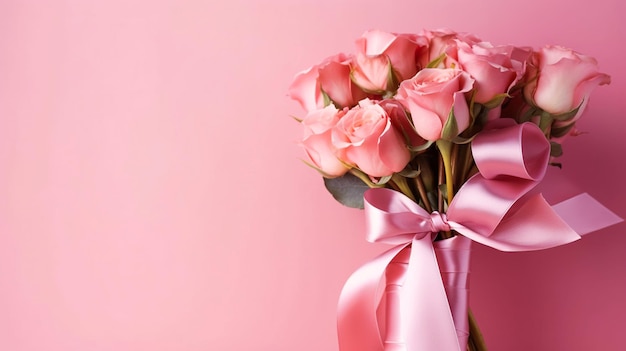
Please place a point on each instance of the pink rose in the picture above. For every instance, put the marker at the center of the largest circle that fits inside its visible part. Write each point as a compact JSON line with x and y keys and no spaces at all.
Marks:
{"x":401,"y":120}
{"x":305,"y":89}
{"x":431,"y":97}
{"x":372,"y":74}
{"x":332,"y":76}
{"x":443,"y":41}
{"x":564,"y":80}
{"x":378,"y":46}
{"x":369,"y":140}
{"x":317,"y":143}
{"x":494,"y":69}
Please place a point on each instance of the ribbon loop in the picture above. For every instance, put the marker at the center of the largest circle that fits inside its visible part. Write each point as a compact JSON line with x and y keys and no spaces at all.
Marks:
{"x":512,"y":159}
{"x":522,"y":151}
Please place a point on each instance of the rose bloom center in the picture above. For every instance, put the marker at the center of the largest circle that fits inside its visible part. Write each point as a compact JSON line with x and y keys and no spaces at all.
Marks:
{"x":364,"y":124}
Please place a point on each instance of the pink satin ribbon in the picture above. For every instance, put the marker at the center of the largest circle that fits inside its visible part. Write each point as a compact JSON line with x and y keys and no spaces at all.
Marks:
{"x":495,"y":207}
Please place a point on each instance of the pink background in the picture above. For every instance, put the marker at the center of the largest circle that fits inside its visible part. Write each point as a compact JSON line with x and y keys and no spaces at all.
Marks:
{"x":152,"y":197}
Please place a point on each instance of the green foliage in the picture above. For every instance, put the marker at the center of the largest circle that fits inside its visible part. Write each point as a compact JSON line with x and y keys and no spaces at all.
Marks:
{"x":451,"y":128}
{"x":422,"y":147}
{"x":567,"y":115}
{"x":327,"y":100}
{"x":556,"y":149}
{"x":496,"y":101}
{"x":436,"y":62}
{"x":562,"y":131}
{"x":347,"y":189}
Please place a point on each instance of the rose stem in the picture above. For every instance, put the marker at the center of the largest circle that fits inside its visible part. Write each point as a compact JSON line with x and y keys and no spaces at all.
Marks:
{"x":422,"y":191}
{"x":445,"y":148}
{"x":401,"y":183}
{"x":468,"y":162}
{"x":467,"y":165}
{"x":440,"y":180}
{"x":394,"y":186}
{"x":475,"y":334}
{"x":470,"y":344}
{"x":454,"y":158}
{"x":459,"y":166}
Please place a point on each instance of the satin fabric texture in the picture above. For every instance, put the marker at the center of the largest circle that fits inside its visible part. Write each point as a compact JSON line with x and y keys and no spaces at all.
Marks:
{"x":496,"y":207}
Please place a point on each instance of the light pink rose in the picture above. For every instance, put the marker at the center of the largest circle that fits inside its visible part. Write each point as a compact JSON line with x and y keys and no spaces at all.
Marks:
{"x":431,"y":96}
{"x":401,"y":120}
{"x":369,"y":140}
{"x":443,"y":41}
{"x":564,"y":80}
{"x":494,"y":69}
{"x":372,"y":74}
{"x":317,"y":142}
{"x":400,"y":49}
{"x":305,"y":89}
{"x":332,"y":76}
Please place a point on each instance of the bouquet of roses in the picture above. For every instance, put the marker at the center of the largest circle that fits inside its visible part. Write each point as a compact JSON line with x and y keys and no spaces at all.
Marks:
{"x":452,"y":134}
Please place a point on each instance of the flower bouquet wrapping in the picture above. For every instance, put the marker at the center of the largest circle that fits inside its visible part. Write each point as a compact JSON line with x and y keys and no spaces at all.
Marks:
{"x":441,"y":138}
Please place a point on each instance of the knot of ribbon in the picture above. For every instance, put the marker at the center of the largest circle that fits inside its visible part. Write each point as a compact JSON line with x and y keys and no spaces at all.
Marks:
{"x":495,"y":208}
{"x":439,"y":222}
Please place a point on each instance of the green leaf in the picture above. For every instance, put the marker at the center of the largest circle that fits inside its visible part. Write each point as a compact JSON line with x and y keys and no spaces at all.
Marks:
{"x":410,"y":173}
{"x":496,"y":101}
{"x":567,"y":115}
{"x":463,"y":140}
{"x":327,"y":100}
{"x":451,"y":128}
{"x":475,"y":108}
{"x":528,"y":115}
{"x":383,"y":180}
{"x":422,"y":147}
{"x":392,"y":81}
{"x":545,"y":123}
{"x":436,"y":62}
{"x":556,"y":149}
{"x":347,"y":190}
{"x":562,"y":131}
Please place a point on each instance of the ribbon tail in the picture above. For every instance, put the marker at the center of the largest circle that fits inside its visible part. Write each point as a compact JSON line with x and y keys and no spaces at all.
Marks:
{"x":526,"y":229}
{"x":357,"y":325}
{"x":585,"y":214}
{"x":453,"y":256}
{"x":426,"y":318}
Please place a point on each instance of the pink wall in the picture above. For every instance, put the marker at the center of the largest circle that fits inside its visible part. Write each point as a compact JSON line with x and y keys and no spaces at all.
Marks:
{"x":152,"y":197}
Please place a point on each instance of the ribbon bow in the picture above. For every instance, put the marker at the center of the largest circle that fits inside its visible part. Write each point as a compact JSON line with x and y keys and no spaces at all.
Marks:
{"x":494,"y":207}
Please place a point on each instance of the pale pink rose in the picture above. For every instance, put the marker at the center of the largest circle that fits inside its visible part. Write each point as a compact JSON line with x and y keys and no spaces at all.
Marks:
{"x":431,"y":96}
{"x":402,"y":121}
{"x":494,"y":69}
{"x":305,"y":89}
{"x":443,"y":41}
{"x":335,"y":80}
{"x":369,"y":140}
{"x":564,"y":80}
{"x":372,"y":74}
{"x":332,"y":76}
{"x":400,"y":49}
{"x":317,"y":142}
